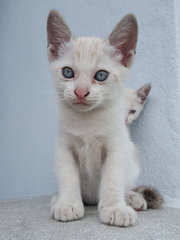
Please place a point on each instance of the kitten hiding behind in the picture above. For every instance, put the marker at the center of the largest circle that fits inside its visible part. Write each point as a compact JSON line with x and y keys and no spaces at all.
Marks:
{"x":96,"y":159}
{"x":135,"y":101}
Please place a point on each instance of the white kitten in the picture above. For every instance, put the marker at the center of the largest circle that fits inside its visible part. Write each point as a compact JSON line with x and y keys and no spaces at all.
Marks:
{"x":135,"y":101}
{"x":96,"y":160}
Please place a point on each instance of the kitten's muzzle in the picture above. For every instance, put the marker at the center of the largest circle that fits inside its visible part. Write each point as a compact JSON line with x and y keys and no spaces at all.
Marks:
{"x":81,"y":93}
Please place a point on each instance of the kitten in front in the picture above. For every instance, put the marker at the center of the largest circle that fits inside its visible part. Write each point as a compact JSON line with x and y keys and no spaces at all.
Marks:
{"x":96,"y":159}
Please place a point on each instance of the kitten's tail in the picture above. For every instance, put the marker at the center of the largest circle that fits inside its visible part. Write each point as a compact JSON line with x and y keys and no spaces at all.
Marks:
{"x":152,"y":196}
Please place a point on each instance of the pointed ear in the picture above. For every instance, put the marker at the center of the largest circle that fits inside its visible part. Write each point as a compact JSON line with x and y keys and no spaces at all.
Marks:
{"x":58,"y":34}
{"x":124,"y":38}
{"x":143,"y":92}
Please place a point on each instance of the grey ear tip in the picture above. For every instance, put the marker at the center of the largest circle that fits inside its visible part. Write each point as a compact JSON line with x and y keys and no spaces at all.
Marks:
{"x":131,"y":17}
{"x":148,"y":85}
{"x":53,"y":13}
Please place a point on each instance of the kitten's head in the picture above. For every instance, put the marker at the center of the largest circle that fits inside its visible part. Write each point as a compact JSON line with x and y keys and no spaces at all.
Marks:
{"x":89,"y":71}
{"x":135,"y":101}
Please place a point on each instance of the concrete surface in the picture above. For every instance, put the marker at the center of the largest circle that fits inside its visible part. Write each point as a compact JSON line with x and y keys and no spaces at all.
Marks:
{"x":29,"y":219}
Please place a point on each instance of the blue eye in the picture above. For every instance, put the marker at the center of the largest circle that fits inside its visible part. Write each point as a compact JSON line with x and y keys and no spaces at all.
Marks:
{"x":67,"y":72}
{"x":101,"y":75}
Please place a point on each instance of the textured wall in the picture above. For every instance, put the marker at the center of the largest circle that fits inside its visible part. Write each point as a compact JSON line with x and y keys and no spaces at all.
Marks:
{"x":28,"y":119}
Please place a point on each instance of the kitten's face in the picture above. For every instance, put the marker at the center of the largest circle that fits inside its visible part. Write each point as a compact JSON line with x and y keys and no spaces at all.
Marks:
{"x":89,"y":71}
{"x":87,"y":76}
{"x":133,"y":109}
{"x":135,"y":101}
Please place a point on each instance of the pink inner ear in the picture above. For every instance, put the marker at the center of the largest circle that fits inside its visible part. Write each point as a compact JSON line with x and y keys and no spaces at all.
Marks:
{"x":52,"y":53}
{"x":52,"y":50}
{"x":124,"y":38}
{"x":126,"y":60}
{"x":58,"y":33}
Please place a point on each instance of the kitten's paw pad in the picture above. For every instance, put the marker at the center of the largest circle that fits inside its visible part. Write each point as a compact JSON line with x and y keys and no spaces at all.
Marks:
{"x":118,"y":216}
{"x":137,"y":202}
{"x":67,"y":211}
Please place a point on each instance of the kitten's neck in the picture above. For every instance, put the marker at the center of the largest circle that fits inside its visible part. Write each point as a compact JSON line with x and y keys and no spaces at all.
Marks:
{"x":100,"y":121}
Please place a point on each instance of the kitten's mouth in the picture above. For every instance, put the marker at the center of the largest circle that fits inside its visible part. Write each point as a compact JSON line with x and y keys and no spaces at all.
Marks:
{"x":81,"y":103}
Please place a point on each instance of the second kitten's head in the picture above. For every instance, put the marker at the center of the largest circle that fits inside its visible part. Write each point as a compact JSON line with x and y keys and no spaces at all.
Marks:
{"x":135,"y":101}
{"x":89,"y":72}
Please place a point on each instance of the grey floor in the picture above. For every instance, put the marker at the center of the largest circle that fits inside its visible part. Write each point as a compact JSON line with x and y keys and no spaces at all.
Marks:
{"x":29,"y":219}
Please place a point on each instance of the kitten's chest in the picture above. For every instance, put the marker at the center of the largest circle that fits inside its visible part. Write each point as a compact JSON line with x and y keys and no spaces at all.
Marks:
{"x":89,"y":154}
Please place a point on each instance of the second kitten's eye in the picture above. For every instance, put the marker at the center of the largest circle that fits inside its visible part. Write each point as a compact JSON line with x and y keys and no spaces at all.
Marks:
{"x":67,"y":72}
{"x":132,"y":111}
{"x":101,"y":75}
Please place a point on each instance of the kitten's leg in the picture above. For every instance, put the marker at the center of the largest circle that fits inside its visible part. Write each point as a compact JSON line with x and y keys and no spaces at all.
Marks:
{"x":67,"y":205}
{"x":136,"y":201}
{"x":112,"y":207}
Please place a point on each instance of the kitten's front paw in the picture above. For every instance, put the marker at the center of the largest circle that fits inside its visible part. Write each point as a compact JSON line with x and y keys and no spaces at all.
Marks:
{"x":121,"y":216}
{"x":136,"y":201}
{"x":66,"y":211}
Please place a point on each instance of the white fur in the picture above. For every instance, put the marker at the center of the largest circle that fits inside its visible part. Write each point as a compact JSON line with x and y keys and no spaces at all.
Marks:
{"x":96,"y":160}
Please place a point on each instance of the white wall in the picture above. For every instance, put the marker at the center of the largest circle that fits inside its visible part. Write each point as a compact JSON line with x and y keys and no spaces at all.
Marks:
{"x":28,"y":113}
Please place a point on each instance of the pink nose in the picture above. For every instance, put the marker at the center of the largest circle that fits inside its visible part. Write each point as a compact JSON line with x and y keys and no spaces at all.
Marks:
{"x":81,"y":93}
